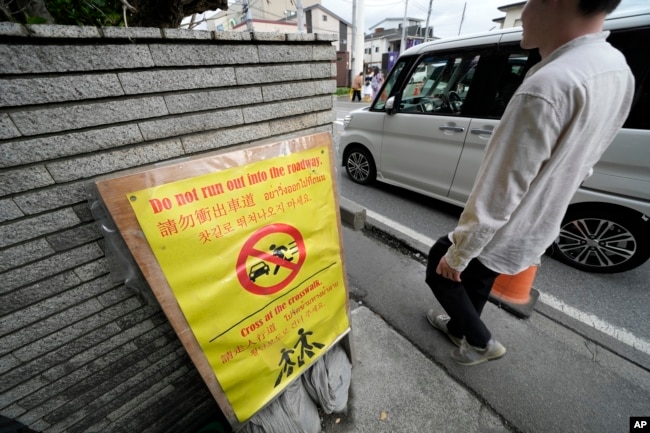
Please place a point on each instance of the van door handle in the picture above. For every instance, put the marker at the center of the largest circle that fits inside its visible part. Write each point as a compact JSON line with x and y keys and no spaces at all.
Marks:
{"x":452,"y":128}
{"x":479,"y":131}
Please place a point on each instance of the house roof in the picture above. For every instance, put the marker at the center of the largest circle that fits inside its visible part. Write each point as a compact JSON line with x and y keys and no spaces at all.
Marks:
{"x":324,"y":9}
{"x":510,"y":6}
{"x":400,"y":20}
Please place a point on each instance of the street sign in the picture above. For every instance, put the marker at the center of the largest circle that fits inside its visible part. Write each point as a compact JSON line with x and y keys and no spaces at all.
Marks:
{"x":243,"y":252}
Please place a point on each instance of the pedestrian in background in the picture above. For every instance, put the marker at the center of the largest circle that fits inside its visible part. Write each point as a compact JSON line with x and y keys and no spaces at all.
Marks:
{"x":357,"y":83}
{"x":376,"y":82}
{"x":367,"y":88}
{"x":552,"y":133}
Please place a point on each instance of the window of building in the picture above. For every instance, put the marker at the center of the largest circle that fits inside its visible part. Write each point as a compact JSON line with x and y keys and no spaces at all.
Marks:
{"x":324,"y":17}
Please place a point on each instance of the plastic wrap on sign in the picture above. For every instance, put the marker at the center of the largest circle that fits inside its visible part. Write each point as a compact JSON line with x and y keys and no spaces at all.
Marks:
{"x":122,"y":265}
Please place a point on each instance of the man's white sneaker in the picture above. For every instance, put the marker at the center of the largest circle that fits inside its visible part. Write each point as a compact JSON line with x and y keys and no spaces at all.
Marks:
{"x":440,"y":323}
{"x":467,"y":354}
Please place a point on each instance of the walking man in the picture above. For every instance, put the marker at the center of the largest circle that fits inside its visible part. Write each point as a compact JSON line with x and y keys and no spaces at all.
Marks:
{"x":357,"y":83}
{"x":555,"y":128}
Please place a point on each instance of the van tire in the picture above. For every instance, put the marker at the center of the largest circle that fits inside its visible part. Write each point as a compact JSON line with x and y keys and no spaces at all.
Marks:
{"x":602,"y":239}
{"x":360,"y":165}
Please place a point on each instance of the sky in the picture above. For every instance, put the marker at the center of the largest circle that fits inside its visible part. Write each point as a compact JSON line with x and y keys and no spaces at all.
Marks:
{"x":445,"y":16}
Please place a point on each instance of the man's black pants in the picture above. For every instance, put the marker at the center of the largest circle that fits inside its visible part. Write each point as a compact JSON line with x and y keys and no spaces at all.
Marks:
{"x":463,"y":301}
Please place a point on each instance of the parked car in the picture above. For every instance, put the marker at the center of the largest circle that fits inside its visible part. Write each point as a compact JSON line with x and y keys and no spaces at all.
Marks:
{"x":429,"y":137}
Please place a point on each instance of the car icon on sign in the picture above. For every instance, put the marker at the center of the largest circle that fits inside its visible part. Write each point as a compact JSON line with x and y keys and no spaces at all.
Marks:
{"x":260,"y":268}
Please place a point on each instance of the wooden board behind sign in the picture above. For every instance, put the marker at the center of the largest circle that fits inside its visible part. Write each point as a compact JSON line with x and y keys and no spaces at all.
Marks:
{"x":113,"y":192}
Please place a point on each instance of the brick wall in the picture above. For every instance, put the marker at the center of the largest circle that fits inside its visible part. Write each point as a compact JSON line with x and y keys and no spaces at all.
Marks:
{"x":79,"y":351}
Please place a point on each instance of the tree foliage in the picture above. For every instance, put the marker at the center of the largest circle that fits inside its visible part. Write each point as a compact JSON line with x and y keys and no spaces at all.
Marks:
{"x":132,"y":13}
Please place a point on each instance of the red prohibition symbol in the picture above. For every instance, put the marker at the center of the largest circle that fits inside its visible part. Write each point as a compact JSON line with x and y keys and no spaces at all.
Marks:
{"x":269,"y":261}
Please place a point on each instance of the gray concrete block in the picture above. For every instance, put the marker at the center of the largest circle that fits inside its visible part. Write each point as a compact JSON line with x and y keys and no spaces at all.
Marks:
{"x":271,"y":74}
{"x":62,"y":31}
{"x":33,"y":150}
{"x":7,"y":362}
{"x":176,"y":79}
{"x":77,"y":236}
{"x":103,"y":345}
{"x":31,"y":228}
{"x":225,"y":137}
{"x":108,"y":162}
{"x":38,"y":331}
{"x":18,"y":392}
{"x":26,"y":275}
{"x":44,"y":90}
{"x":51,"y":198}
{"x":24,"y":253}
{"x":294,"y":123}
{"x":66,"y":335}
{"x":232,"y":36}
{"x":203,"y":55}
{"x":352,"y":213}
{"x":324,"y":52}
{"x":21,"y":298}
{"x":46,"y":317}
{"x":285,"y":53}
{"x":12,"y":29}
{"x":132,"y":32}
{"x":330,"y":37}
{"x":269,"y":36}
{"x":27,"y":59}
{"x":214,"y":99}
{"x":9,"y":210}
{"x":59,"y":389}
{"x":276,"y":110}
{"x":71,"y":117}
{"x":301,"y":37}
{"x":92,"y":270}
{"x":7,"y":127}
{"x":114,"y":296}
{"x":323,"y":70}
{"x":24,"y":179}
{"x":189,"y":124}
{"x":326,"y":117}
{"x":187,"y":34}
{"x":325,"y":87}
{"x":281,"y":92}
{"x":322,"y":103}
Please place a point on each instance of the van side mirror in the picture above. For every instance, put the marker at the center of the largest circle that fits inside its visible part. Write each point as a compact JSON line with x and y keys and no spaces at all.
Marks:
{"x":393,"y":103}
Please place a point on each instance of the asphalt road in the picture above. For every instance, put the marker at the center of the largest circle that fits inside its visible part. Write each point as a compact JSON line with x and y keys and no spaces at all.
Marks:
{"x":615,"y":305}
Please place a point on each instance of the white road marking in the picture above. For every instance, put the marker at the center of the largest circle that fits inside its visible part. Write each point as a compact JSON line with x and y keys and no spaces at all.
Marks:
{"x":402,"y":229}
{"x":620,"y":334}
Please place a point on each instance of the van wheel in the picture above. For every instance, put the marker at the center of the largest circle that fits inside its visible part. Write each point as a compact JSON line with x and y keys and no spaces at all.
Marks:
{"x":360,"y":166}
{"x":602,"y":240}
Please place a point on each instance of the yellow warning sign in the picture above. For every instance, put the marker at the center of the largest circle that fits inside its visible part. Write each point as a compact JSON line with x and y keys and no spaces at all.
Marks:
{"x":252,"y":256}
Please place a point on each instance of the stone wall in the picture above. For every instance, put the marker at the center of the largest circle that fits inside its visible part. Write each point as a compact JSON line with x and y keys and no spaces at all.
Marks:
{"x":79,"y":351}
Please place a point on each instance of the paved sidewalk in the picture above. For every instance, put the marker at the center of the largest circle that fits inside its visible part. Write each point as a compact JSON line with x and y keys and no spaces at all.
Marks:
{"x":395,"y":388}
{"x":552,"y":380}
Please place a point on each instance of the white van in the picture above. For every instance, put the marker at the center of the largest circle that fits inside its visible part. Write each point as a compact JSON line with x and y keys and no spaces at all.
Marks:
{"x":428,"y":135}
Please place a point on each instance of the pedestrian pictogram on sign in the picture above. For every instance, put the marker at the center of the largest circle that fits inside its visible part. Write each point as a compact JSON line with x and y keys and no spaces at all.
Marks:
{"x":270,"y":259}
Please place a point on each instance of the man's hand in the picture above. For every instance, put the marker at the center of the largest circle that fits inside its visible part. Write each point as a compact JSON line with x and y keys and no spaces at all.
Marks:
{"x":447,"y":271}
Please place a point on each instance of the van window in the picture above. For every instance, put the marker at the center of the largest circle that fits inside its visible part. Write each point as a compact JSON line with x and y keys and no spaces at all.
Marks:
{"x":439,"y":84}
{"x":389,"y":83}
{"x":636,"y":54}
{"x":511,"y":67}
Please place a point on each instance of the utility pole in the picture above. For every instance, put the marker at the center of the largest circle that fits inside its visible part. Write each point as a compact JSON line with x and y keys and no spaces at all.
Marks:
{"x":358,"y":40}
{"x":301,"y":17}
{"x":249,"y":16}
{"x":402,"y":46}
{"x":426,"y":27}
